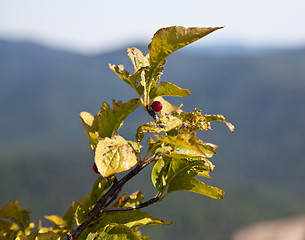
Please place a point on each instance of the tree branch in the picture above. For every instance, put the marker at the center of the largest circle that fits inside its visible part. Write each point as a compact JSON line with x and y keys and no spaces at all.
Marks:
{"x":107,"y":198}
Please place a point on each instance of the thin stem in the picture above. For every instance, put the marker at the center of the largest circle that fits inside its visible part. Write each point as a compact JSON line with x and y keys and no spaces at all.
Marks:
{"x":146,"y":155}
{"x":152,"y":113}
{"x":114,"y":196}
{"x":141,"y":205}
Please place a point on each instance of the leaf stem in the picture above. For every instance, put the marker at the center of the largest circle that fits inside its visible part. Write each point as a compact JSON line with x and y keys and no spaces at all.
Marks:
{"x":152,"y":113}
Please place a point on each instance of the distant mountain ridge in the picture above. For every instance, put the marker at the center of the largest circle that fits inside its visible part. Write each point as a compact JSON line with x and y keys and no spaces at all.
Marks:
{"x":261,"y":166}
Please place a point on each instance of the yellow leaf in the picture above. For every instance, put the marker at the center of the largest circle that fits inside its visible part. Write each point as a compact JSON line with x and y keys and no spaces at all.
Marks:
{"x":48,"y":236}
{"x":113,"y":155}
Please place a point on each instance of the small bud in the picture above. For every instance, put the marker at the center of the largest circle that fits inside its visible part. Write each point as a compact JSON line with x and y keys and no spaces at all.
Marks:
{"x":94,"y":167}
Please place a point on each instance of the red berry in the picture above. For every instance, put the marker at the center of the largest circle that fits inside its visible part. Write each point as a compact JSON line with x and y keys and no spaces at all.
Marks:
{"x":95,"y":168}
{"x":156,"y":106}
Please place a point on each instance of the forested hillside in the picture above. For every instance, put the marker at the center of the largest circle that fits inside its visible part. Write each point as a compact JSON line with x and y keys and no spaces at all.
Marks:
{"x":44,"y":150}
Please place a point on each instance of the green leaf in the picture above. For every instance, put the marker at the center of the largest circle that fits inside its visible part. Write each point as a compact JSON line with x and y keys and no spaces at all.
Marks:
{"x":164,"y":124}
{"x":57,"y":220}
{"x":159,"y":174}
{"x":91,"y":128}
{"x":144,"y":78}
{"x":137,"y":58}
{"x":114,"y":155}
{"x":7,"y":225}
{"x":132,"y":80}
{"x":114,"y":232}
{"x":181,"y":176}
{"x":48,"y":236}
{"x":189,"y":183}
{"x":132,"y":200}
{"x":159,"y":149}
{"x":83,"y":209}
{"x":193,"y":121}
{"x":168,"y":40}
{"x":69,"y":216}
{"x":110,"y":120}
{"x":221,"y":118}
{"x":136,"y":148}
{"x":64,"y":224}
{"x":136,"y":81}
{"x":100,"y":185}
{"x":132,"y":219}
{"x":13,"y":212}
{"x":20,"y":237}
{"x":123,"y":74}
{"x":151,"y":79}
{"x":8,"y":230}
{"x":207,"y":149}
{"x":89,"y":123}
{"x":186,"y":144}
{"x":168,"y":89}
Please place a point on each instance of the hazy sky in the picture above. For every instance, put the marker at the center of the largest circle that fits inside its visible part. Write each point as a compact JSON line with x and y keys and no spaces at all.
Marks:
{"x":94,"y":25}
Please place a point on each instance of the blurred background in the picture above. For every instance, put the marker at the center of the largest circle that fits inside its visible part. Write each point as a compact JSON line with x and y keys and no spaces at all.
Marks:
{"x":54,"y":58}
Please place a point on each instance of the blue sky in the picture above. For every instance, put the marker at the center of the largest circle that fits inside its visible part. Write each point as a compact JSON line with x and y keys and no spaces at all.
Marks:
{"x":98,"y":25}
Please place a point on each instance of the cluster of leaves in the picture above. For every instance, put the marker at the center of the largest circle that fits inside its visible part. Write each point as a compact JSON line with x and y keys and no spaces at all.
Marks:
{"x":15,"y":223}
{"x":178,"y":156}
